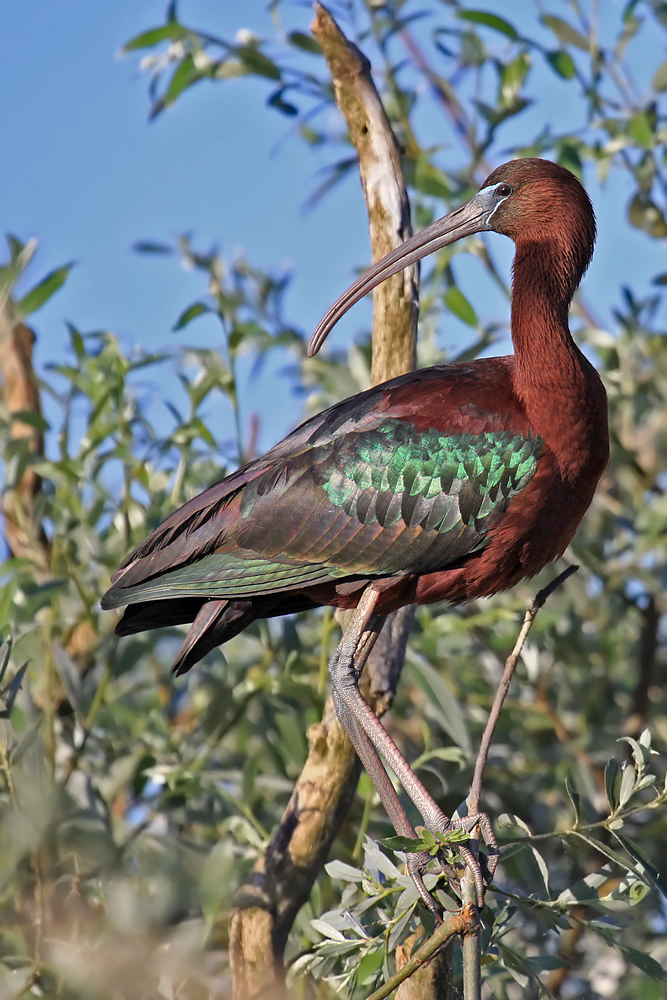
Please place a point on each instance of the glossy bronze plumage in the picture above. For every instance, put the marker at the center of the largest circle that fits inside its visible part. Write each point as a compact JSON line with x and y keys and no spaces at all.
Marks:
{"x":449,"y":483}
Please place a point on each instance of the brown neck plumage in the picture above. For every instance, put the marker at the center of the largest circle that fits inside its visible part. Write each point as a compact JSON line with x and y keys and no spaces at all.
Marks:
{"x":561,"y":391}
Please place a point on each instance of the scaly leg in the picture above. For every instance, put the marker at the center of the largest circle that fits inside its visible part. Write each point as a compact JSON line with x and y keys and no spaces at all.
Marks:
{"x":416,"y":862}
{"x":345,"y":668}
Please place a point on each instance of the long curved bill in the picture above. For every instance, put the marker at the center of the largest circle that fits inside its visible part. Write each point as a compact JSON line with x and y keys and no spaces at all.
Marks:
{"x":473,"y":217}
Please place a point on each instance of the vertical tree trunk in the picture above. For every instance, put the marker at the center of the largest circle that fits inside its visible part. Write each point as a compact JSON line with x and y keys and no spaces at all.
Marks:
{"x":265,"y":909}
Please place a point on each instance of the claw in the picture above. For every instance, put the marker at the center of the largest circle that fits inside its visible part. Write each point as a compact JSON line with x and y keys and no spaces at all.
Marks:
{"x":482,"y":876}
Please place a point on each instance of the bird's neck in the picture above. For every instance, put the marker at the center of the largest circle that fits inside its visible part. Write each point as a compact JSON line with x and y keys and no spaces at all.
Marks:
{"x":562,"y":393}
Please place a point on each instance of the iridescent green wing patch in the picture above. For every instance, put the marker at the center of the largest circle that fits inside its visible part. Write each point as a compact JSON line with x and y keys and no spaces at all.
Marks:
{"x":437,"y":482}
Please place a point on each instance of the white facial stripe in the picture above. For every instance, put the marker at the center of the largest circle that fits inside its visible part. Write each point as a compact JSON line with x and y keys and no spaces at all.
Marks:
{"x":492,"y":188}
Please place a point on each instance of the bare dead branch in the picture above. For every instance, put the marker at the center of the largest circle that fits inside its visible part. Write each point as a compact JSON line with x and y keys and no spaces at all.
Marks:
{"x":396,"y":301}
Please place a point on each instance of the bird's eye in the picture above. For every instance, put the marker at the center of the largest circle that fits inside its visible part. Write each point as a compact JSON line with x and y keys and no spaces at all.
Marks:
{"x":504,"y":190}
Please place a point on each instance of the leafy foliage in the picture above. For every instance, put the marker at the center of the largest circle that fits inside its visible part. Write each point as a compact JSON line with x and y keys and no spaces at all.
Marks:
{"x":132,"y":806}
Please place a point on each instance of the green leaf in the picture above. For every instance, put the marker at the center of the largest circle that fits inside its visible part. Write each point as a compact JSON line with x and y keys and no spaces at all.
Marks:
{"x":565,"y":32}
{"x":305,"y":42}
{"x":14,"y":688}
{"x":69,"y":675}
{"x":26,"y":741}
{"x":42,"y":292}
{"x":512,"y":76}
{"x":562,"y":63}
{"x":612,"y":783}
{"x":153,"y":36}
{"x":369,"y":965}
{"x":489,"y":21}
{"x":192,"y":312}
{"x":5,"y":653}
{"x":459,"y":305}
{"x":183,"y":77}
{"x":16,"y":247}
{"x":640,"y":130}
{"x":441,"y":700}
{"x":429,"y":178}
{"x":647,"y":867}
{"x":256,"y":62}
{"x":32,"y":419}
{"x":406,"y":844}
{"x":574,"y":798}
{"x":628,"y":782}
{"x":644,"y":214}
{"x":342,"y":871}
{"x":644,"y":962}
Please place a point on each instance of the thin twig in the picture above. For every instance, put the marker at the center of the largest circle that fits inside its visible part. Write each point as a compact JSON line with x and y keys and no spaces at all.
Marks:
{"x":471,"y":948}
{"x":459,"y":922}
{"x":471,"y":945}
{"x":503,"y":687}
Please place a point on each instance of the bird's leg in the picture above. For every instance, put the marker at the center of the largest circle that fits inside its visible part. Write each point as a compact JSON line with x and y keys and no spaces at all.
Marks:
{"x":345,"y":668}
{"x":416,"y":862}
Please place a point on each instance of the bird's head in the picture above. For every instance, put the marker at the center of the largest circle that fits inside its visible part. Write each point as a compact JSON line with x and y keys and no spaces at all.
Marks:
{"x":532,"y":201}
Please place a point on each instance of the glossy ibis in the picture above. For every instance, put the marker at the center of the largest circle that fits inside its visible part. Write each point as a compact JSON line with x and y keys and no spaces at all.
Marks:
{"x":449,"y":483}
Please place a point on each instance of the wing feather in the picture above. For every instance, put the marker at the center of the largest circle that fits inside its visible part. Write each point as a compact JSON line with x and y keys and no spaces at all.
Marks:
{"x":362,"y":490}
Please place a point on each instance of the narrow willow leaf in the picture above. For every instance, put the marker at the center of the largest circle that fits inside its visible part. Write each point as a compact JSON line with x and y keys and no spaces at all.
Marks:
{"x":14,"y":688}
{"x":183,"y":77}
{"x":256,"y":62}
{"x":147,"y":39}
{"x":369,"y":965}
{"x":459,"y":305}
{"x":565,"y":32}
{"x":612,"y":783}
{"x":196,"y":309}
{"x":42,"y":292}
{"x":489,"y":21}
{"x":641,"y":131}
{"x":69,"y":675}
{"x":326,"y":930}
{"x":644,"y":962}
{"x":574,"y":798}
{"x":342,"y":871}
{"x":26,"y":741}
{"x":646,"y":865}
{"x":305,"y":42}
{"x":441,"y":700}
{"x":5,"y":653}
{"x":610,"y":853}
{"x":628,"y":782}
{"x":640,"y":753}
{"x":406,"y":844}
{"x":32,"y":419}
{"x":562,"y":63}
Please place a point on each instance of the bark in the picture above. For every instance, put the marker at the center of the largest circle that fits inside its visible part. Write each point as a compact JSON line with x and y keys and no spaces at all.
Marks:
{"x":20,"y":394}
{"x":265,"y":908}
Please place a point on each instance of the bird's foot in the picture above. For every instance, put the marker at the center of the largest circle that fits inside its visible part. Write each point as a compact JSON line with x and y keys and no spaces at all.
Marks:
{"x":449,"y":836}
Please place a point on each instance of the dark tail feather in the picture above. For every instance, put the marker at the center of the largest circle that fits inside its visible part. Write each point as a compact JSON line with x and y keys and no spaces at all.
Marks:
{"x":158,"y":614}
{"x":216,"y":621}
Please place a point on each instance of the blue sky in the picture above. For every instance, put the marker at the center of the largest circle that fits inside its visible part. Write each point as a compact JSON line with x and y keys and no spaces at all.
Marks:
{"x":86,"y":173}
